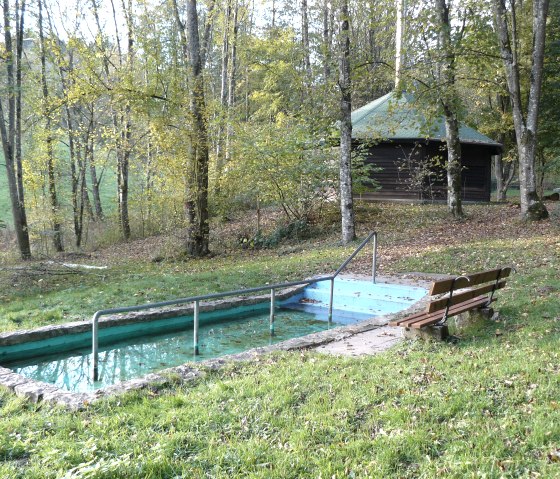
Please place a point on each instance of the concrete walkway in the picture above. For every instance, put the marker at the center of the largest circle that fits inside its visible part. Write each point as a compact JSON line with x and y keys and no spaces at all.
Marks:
{"x":369,"y":342}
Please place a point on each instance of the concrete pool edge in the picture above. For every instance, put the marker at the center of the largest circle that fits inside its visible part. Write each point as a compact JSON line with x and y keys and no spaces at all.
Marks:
{"x":37,"y":391}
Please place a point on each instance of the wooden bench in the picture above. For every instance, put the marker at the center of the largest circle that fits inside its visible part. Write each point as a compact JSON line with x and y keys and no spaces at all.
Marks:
{"x":450,"y":297}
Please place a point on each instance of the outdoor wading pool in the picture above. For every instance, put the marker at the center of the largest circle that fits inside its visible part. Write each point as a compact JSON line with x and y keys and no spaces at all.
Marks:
{"x":136,"y":345}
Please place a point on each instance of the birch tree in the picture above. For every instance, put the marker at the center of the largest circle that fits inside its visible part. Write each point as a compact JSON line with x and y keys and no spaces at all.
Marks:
{"x":345,"y":85}
{"x":525,"y":112}
{"x":449,"y":98}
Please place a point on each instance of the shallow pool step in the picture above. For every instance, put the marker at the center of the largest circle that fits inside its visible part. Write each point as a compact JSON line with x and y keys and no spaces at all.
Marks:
{"x":360,"y":297}
{"x":370,"y":308}
{"x":340,"y":316}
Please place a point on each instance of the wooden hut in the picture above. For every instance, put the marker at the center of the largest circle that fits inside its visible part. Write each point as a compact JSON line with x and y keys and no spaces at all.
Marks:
{"x":409,"y":152}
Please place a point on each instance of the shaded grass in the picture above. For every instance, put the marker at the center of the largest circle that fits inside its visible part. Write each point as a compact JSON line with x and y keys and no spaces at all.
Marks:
{"x":486,"y":406}
{"x":44,"y":299}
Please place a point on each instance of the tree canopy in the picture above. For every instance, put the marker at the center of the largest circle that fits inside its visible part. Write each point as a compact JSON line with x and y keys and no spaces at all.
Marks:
{"x":118,"y":120}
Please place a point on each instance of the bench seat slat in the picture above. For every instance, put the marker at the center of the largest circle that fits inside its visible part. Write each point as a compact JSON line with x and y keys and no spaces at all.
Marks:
{"x":438,"y":315}
{"x":443,"y":286}
{"x":457,"y":298}
{"x":460,"y":308}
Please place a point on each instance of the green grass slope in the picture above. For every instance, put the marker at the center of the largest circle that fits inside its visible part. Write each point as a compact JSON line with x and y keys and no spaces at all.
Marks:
{"x":486,"y":406}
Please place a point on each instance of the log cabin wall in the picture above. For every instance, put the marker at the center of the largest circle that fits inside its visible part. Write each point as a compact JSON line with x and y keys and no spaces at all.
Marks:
{"x":415,"y":171}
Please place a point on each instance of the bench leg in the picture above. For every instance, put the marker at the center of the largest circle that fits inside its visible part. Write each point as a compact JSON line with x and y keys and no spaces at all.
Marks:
{"x":434,"y":333}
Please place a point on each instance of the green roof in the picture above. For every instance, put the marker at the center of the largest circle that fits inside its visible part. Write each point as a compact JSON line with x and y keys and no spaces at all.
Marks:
{"x":395,"y":117}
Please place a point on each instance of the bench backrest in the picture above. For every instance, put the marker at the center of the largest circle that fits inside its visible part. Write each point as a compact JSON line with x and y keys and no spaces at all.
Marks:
{"x":495,"y":278}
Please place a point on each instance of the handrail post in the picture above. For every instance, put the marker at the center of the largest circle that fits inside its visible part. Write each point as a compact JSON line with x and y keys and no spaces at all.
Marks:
{"x":374,"y":265}
{"x":95,"y":346}
{"x":272,"y":306}
{"x":331,"y":300}
{"x":196,"y":319}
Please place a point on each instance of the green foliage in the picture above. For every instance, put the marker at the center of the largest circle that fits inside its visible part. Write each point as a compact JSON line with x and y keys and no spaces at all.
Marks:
{"x":279,"y":163}
{"x":293,"y":230}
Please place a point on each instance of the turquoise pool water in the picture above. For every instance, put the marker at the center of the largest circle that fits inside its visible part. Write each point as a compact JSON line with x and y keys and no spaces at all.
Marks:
{"x":136,"y":357}
{"x":134,"y":350}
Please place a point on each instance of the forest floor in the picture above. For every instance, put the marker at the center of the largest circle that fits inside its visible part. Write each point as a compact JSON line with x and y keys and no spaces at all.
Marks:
{"x":486,"y":406}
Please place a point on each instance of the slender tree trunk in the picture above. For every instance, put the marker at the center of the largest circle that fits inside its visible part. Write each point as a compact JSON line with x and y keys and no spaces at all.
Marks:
{"x":121,"y":121}
{"x":90,"y":154}
{"x":449,"y":98}
{"x":305,"y":40}
{"x":345,"y":180}
{"x":10,"y":128}
{"x":525,"y":120}
{"x":454,"y":176}
{"x":232,"y":83}
{"x":76,"y":199}
{"x":126,"y":129}
{"x":77,"y":210}
{"x":223,"y":90}
{"x":197,"y":177}
{"x":19,"y":55}
{"x":504,"y":172}
{"x":65,"y":67}
{"x":83,"y":167}
{"x":327,"y":41}
{"x":208,"y":24}
{"x":398,"y":42}
{"x":57,"y":233}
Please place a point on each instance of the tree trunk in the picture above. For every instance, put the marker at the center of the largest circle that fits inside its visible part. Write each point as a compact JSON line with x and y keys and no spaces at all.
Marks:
{"x":454,"y":177}
{"x":125,"y":130}
{"x":90,"y":155}
{"x":207,"y":32}
{"x":327,"y":41}
{"x":77,"y":210}
{"x":305,"y":40}
{"x":220,"y":141}
{"x":449,"y":98}
{"x":232,"y":82}
{"x":122,"y":126}
{"x":504,"y":172}
{"x":399,"y":35}
{"x":10,"y":128}
{"x":525,"y":120}
{"x":197,"y":177}
{"x":57,"y":233}
{"x":345,"y":181}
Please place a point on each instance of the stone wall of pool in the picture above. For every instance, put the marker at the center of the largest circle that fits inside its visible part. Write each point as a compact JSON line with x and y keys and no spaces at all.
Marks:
{"x":40,"y":391}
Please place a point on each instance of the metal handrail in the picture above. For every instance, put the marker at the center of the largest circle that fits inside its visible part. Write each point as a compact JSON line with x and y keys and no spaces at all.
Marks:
{"x":373,"y":234}
{"x":196,"y":300}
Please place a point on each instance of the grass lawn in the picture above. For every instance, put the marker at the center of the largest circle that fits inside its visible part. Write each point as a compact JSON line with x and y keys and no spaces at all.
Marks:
{"x":486,"y":406}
